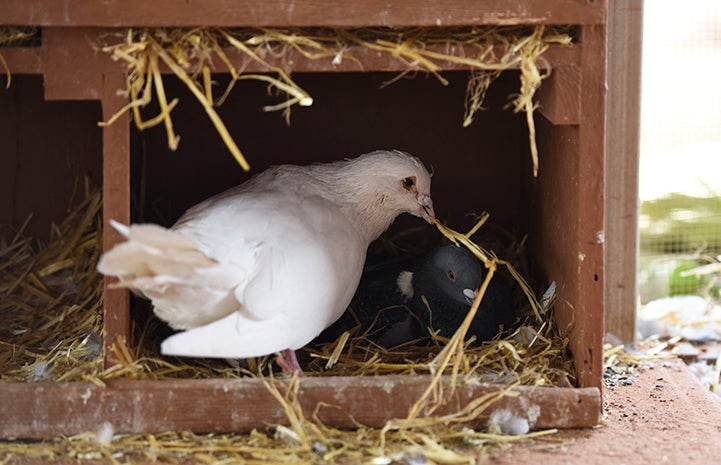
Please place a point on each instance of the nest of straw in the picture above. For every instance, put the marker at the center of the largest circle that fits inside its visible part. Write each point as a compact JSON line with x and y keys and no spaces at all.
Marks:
{"x":193,"y":54}
{"x":52,"y":297}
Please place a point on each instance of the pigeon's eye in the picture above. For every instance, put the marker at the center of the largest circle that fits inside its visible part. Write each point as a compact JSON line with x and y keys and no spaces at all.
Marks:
{"x":409,"y":183}
{"x":451,"y":275}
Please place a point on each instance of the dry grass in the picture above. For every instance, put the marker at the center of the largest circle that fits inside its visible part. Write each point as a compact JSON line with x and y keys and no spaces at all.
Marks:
{"x":315,"y":444}
{"x":53,"y":299}
{"x":193,"y":54}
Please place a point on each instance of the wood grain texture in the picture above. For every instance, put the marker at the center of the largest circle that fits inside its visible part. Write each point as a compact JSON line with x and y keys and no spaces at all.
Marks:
{"x":116,"y":206}
{"x":569,"y":214}
{"x":47,"y":149}
{"x":22,"y":60}
{"x":586,"y":320}
{"x":73,"y":69}
{"x":278,"y":13}
{"x":560,"y":95}
{"x":568,"y":243}
{"x":238,"y":405}
{"x":622,"y":148}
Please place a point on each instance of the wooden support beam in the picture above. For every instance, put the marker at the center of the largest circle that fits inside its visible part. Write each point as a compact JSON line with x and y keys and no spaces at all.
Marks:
{"x":116,"y":206}
{"x":586,"y":336}
{"x":568,"y":244}
{"x":73,"y":65}
{"x":33,"y":410}
{"x":622,"y":157}
{"x":22,"y":60}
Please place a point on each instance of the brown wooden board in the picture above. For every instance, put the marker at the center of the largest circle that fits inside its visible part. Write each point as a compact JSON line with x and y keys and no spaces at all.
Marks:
{"x":569,"y":241}
{"x":73,"y":65}
{"x":116,"y":206}
{"x":30,"y":410}
{"x":235,"y":13}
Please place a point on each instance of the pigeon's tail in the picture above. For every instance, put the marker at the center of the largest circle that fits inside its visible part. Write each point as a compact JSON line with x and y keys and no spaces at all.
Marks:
{"x":150,"y":250}
{"x":171,"y":270}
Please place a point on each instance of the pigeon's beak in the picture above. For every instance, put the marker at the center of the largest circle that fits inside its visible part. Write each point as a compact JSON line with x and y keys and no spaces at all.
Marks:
{"x":426,"y":204}
{"x":470,"y":295}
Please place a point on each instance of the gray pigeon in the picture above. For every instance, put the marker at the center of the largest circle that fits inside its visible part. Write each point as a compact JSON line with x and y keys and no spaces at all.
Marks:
{"x":264,"y":267}
{"x":403,"y":301}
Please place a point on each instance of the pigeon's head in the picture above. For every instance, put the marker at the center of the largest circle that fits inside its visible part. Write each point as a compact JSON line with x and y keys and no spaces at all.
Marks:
{"x":402,"y":184}
{"x":455,"y":272}
{"x":375,"y":188}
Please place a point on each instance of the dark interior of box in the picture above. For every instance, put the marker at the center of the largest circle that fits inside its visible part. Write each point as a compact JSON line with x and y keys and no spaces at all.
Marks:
{"x":46,"y":150}
{"x":485,"y":167}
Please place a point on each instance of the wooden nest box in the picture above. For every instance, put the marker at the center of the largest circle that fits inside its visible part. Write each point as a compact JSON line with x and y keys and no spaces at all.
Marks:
{"x":63,"y":86}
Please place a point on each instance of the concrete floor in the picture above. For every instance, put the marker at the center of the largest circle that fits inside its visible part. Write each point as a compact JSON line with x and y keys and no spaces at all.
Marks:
{"x":663,"y":416}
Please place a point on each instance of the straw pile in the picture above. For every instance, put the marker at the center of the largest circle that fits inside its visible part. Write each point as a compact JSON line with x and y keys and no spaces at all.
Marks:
{"x":192,"y":54}
{"x":51,"y":300}
{"x":309,"y":444}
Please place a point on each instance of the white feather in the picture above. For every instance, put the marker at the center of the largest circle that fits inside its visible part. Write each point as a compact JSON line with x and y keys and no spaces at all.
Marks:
{"x":405,"y":284}
{"x":268,"y":265}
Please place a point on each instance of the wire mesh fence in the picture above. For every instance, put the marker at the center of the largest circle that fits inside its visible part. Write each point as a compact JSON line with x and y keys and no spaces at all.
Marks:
{"x":680,"y":176}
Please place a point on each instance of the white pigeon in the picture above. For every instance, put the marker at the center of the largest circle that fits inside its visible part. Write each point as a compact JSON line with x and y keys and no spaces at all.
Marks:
{"x":264,"y":267}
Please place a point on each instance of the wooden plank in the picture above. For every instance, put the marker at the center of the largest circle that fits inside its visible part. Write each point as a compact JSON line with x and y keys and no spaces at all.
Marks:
{"x":116,"y":206}
{"x":622,"y":159}
{"x":65,"y":82}
{"x":277,"y":13}
{"x":372,"y":60}
{"x":73,"y":69}
{"x":237,"y":405}
{"x":567,"y":232}
{"x":22,"y":60}
{"x":560,"y":95}
{"x":586,"y":317}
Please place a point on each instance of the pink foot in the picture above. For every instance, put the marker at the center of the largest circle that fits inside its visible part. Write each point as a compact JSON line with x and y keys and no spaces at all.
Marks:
{"x":289,"y":363}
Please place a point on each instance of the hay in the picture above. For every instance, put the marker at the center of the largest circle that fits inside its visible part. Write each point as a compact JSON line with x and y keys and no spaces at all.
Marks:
{"x":51,"y":300}
{"x":437,"y":444}
{"x":443,"y":439}
{"x":191,"y":55}
{"x":53,"y":297}
{"x":439,"y":439}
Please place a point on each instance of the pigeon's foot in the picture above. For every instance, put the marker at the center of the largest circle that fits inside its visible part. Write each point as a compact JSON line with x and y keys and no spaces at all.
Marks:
{"x":289,"y":363}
